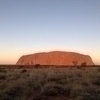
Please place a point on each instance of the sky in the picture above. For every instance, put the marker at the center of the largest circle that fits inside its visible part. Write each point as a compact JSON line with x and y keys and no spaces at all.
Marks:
{"x":30,"y":26}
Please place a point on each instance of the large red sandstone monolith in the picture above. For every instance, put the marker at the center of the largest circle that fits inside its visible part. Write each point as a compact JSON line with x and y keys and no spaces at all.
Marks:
{"x":54,"y":58}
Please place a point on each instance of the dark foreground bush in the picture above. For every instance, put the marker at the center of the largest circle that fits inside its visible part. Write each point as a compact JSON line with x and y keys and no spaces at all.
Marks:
{"x":23,"y":70}
{"x":96,"y":82}
{"x":37,"y":65}
{"x":3,"y":70}
{"x":13,"y":93}
{"x":2,"y":76}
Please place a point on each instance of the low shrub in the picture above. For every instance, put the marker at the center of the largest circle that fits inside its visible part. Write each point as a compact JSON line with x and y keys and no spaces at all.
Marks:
{"x":37,"y":65}
{"x":2,"y":76}
{"x":96,"y":82}
{"x":85,"y":84}
{"x":14,"y":93}
{"x":3,"y":70}
{"x":53,"y":89}
{"x":98,"y":69}
{"x":23,"y":70}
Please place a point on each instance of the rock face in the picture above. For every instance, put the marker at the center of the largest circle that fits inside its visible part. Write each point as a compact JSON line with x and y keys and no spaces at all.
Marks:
{"x":54,"y":58}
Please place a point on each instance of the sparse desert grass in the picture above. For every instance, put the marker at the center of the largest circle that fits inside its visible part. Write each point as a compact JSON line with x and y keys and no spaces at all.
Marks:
{"x":2,"y":70}
{"x":43,"y":83}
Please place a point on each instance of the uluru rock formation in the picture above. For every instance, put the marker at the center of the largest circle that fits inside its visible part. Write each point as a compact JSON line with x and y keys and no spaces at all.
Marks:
{"x":54,"y":58}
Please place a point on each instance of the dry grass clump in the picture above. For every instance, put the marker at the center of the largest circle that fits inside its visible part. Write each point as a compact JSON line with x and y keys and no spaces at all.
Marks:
{"x":96,"y":81}
{"x":23,"y":70}
{"x":13,"y":91}
{"x":2,"y":76}
{"x":45,"y":83}
{"x":57,"y":77}
{"x":52,"y":90}
{"x":2,"y":70}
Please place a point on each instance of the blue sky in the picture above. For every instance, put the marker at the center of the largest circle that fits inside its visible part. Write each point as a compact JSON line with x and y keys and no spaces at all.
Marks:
{"x":29,"y":26}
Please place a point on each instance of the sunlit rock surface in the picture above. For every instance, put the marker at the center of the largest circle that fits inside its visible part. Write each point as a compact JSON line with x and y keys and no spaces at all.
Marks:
{"x":54,"y":58}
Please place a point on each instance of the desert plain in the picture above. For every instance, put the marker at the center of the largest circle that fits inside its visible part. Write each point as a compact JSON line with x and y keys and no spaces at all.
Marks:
{"x":49,"y":82}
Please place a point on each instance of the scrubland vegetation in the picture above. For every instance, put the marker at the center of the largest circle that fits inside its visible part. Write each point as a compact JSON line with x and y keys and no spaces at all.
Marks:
{"x":70,"y":83}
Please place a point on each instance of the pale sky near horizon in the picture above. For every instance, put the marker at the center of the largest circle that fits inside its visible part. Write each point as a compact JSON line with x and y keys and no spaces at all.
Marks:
{"x":30,"y":26}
